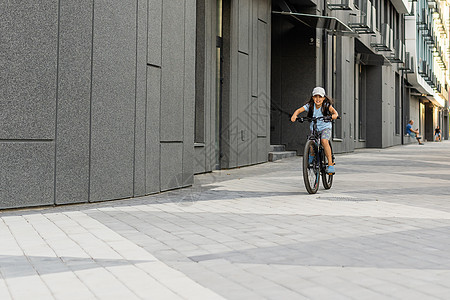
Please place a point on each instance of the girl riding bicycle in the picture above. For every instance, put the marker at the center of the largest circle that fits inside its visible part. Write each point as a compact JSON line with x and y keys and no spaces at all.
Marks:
{"x":320,"y":105}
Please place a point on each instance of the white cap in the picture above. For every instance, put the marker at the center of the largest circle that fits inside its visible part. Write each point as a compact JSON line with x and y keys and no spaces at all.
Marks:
{"x":318,"y":91}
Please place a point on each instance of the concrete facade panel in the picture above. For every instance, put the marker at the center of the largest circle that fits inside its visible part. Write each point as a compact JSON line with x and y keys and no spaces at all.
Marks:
{"x":154,"y":32}
{"x":254,"y":112}
{"x":211,"y":87}
{"x":235,"y":134}
{"x":152,"y":154}
{"x":172,"y":80}
{"x":189,"y":92}
{"x":171,"y":165}
{"x":254,"y":48}
{"x":264,"y":10}
{"x":118,"y":98}
{"x":28,"y":69}
{"x":229,"y":91}
{"x":199,"y":159}
{"x":414,"y":114}
{"x":386,"y":109}
{"x":244,"y":111}
{"x":414,"y":111}
{"x":253,"y":74}
{"x":27,"y":174}
{"x":205,"y":87}
{"x":263,"y":97}
{"x":244,"y":25}
{"x":345,"y":96}
{"x":238,"y":132}
{"x":73,"y":109}
{"x":263,"y":149}
{"x":389,"y":137}
{"x":141,"y":99}
{"x":113,"y":100}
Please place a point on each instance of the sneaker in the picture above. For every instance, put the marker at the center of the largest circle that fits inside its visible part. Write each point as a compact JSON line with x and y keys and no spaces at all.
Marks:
{"x":310,"y":159}
{"x":420,"y":143}
{"x":330,"y":170}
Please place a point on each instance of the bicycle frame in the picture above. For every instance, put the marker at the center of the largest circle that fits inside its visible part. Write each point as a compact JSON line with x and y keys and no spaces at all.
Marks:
{"x":315,"y":168}
{"x":315,"y":136}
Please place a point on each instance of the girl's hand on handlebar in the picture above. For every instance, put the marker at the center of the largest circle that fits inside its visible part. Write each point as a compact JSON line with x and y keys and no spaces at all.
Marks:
{"x":293,"y":118}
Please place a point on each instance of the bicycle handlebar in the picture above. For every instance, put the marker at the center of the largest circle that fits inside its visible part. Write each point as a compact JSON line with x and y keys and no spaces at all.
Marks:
{"x":314,"y":119}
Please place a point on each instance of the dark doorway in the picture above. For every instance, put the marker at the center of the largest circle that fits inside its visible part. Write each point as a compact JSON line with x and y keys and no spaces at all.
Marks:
{"x":429,"y":128}
{"x":293,"y":76}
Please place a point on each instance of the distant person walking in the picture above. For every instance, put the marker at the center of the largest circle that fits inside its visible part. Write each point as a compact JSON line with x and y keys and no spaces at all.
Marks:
{"x":437,"y":134}
{"x":413,"y":133}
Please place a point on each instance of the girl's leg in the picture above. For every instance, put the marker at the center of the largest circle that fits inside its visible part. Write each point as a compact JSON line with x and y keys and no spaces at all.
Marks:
{"x":326,"y":147}
{"x":325,"y":136}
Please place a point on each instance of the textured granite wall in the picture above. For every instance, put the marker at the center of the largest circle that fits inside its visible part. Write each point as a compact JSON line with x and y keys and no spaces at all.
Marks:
{"x":96,"y":99}
{"x":74,"y":102}
{"x":28,"y":73}
{"x":206,"y":77}
{"x":246,"y":87}
{"x":246,"y":84}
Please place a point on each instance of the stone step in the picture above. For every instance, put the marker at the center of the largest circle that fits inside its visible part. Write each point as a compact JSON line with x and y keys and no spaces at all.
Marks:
{"x":276,"y":148}
{"x":276,"y":155}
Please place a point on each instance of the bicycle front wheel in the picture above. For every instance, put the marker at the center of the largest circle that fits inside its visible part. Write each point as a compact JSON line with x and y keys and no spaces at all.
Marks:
{"x":311,"y":170}
{"x":327,"y":179}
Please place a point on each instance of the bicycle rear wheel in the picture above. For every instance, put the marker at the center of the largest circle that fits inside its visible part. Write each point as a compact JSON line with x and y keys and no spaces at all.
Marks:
{"x":311,"y":171}
{"x":327,"y":179}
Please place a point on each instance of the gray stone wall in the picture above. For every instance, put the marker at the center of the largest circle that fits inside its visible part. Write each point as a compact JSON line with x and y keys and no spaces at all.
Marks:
{"x":244,"y":109}
{"x":345,"y":140}
{"x":97,"y":99}
{"x":28,"y":91}
{"x":245,"y":130}
{"x":206,"y":90}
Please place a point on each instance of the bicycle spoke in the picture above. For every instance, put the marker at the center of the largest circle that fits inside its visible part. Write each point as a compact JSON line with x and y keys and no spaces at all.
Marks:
{"x":327,"y":179}
{"x":311,"y":172}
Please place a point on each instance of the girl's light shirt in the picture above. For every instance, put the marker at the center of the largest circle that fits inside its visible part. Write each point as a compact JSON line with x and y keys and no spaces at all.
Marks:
{"x":321,"y":125}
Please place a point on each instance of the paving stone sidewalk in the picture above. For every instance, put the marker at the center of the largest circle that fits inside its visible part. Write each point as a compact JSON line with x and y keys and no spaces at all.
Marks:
{"x":381,"y":232}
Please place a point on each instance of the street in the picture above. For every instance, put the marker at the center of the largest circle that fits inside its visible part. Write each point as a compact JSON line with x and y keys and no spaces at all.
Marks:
{"x":381,"y":232}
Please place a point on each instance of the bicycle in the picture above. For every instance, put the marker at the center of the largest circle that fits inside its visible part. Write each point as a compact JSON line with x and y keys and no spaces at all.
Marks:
{"x":313,"y":148}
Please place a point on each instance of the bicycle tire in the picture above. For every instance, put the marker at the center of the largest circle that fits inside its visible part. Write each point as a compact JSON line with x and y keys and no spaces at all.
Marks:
{"x":311,"y":172}
{"x":327,"y":179}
